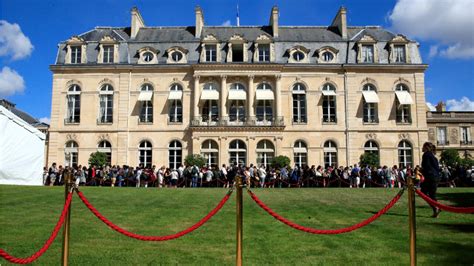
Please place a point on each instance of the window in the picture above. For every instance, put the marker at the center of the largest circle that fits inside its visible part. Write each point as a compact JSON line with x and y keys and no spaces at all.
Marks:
{"x":106,"y":102}
{"x":466,"y":136}
{"x":211,"y":53}
{"x":329,"y":104}
{"x":264,"y":109}
{"x":175,"y":114}
{"x":403,"y":110}
{"x":237,"y":52}
{"x":146,"y":111}
{"x":299,"y":103}
{"x":176,"y":56}
{"x":73,"y":104}
{"x":265,"y":152}
{"x":71,"y":153}
{"x":210,"y":111}
{"x":148,"y":57}
{"x":108,"y":54}
{"x":145,"y":154}
{"x":237,"y":153}
{"x":370,"y":104}
{"x":76,"y":53}
{"x":399,"y":53}
{"x":300,"y":153}
{"x":367,"y":53}
{"x":442,"y":138}
{"x":264,"y":53}
{"x":105,"y":147}
{"x":327,"y":56}
{"x":330,"y":154}
{"x":175,"y":154}
{"x":405,"y":152}
{"x":237,"y":111}
{"x":298,"y":56}
{"x":372,"y":147}
{"x":210,"y":151}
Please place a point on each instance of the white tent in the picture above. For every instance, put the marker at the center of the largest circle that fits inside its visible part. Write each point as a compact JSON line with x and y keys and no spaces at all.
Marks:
{"x":21,"y":151}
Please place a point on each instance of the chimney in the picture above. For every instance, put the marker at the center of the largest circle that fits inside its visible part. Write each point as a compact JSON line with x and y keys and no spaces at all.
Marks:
{"x":441,"y":107}
{"x":199,"y":21}
{"x":137,"y":22}
{"x":274,"y":21}
{"x":340,"y":22}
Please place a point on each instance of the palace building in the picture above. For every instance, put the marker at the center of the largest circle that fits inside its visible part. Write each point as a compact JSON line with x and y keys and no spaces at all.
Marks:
{"x":320,"y":95}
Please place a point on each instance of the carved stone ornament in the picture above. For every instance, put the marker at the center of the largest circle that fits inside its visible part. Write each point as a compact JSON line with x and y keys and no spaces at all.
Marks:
{"x":371,"y":136}
{"x":454,"y":135}
{"x":431,"y":135}
{"x":104,"y":137}
{"x":71,"y":136}
{"x":404,"y":136}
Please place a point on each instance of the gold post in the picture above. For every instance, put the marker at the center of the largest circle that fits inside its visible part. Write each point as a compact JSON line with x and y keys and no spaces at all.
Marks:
{"x":412,"y":220}
{"x":238,"y":185}
{"x":67,"y":185}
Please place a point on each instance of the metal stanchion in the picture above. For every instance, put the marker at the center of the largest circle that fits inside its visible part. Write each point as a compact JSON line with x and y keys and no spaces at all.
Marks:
{"x":68,"y":182}
{"x":239,"y":209}
{"x":412,"y":220}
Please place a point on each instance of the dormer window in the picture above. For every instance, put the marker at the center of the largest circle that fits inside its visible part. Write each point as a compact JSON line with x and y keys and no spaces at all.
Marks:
{"x":264,"y":49}
{"x":237,"y":49}
{"x":399,"y":53}
{"x":176,"y":55}
{"x":148,"y":55}
{"x":264,"y":53}
{"x":210,"y":51}
{"x":328,"y":57}
{"x":75,"y":51}
{"x":108,"y":54}
{"x":398,"y":49}
{"x":367,"y":54}
{"x":108,"y":50}
{"x":298,"y":54}
{"x":327,"y":54}
{"x":367,"y":50}
{"x":76,"y":54}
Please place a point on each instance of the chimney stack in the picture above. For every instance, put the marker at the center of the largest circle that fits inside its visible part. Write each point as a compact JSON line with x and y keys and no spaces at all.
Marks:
{"x":340,"y":22}
{"x":274,"y":21}
{"x":441,"y":107}
{"x":137,"y":22}
{"x":199,"y":21}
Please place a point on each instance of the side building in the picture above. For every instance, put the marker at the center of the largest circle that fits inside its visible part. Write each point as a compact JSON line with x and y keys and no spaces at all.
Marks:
{"x":319,"y":95}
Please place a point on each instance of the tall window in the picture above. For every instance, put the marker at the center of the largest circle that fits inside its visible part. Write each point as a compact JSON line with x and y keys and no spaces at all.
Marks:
{"x":238,"y":152}
{"x":372,"y":147}
{"x":175,"y":154}
{"x":108,"y":53}
{"x":442,"y":138}
{"x":106,"y":104}
{"x":175,"y":114}
{"x":105,"y":147}
{"x":466,"y":135}
{"x":265,"y":152}
{"x":210,"y":111}
{"x":73,"y":104}
{"x":264,"y":53}
{"x":399,"y":53}
{"x":329,"y":103}
{"x":211,"y":53}
{"x":330,"y":154}
{"x":405,"y":154}
{"x":71,"y":153}
{"x":367,"y":53}
{"x":370,"y":104}
{"x":76,"y":53}
{"x":145,"y":154}
{"x":403,"y":110}
{"x":300,"y":153}
{"x":146,"y":111}
{"x":299,"y":103}
{"x":264,"y":110}
{"x":210,"y":151}
{"x":237,"y":104}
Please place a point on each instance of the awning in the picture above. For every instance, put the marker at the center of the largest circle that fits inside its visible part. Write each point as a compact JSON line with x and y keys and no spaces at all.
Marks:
{"x":104,"y":150}
{"x":404,"y":97}
{"x":175,"y":95}
{"x":329,"y":93}
{"x":209,"y":95}
{"x":265,"y":95}
{"x":370,"y":96}
{"x":145,"y":96}
{"x":330,"y":149}
{"x":237,"y":95}
{"x":265,"y":150}
{"x":300,"y":150}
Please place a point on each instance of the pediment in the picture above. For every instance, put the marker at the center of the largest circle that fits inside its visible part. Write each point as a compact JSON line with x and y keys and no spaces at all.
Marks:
{"x":328,"y":48}
{"x":210,"y":38}
{"x":298,"y":48}
{"x":399,"y":39}
{"x":177,"y":48}
{"x":237,"y":38}
{"x":108,"y":39}
{"x":75,"y":40}
{"x":263,"y":38}
{"x":367,"y":39}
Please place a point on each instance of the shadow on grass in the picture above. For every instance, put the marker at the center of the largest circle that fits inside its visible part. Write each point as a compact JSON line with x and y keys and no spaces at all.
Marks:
{"x":390,"y":214}
{"x":448,"y":253}
{"x":460,"y":227}
{"x":461,"y":199}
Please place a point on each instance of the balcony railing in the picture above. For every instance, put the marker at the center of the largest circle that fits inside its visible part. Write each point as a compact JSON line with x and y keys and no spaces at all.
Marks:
{"x":406,"y":120}
{"x":145,"y":120}
{"x":329,"y":120}
{"x":465,"y":142}
{"x":71,"y":120}
{"x":104,"y":121}
{"x":442,"y":142}
{"x":374,"y":120}
{"x":201,"y":121}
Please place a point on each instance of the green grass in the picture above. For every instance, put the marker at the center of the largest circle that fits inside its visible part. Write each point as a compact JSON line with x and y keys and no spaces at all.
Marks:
{"x":28,"y":214}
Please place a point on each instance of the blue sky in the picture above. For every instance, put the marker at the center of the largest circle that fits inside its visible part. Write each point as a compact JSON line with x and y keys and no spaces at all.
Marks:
{"x":446,"y":42}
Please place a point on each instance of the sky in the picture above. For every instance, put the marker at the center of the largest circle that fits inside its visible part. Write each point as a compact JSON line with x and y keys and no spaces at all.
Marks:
{"x":31,"y":29}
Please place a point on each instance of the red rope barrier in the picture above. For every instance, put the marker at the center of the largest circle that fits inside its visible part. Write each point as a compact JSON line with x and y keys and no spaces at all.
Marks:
{"x":325,"y":231}
{"x":444,"y":207}
{"x":48,"y":242}
{"x":153,"y":238}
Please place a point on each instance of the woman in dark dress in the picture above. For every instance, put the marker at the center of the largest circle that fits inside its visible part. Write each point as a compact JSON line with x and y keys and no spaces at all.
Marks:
{"x":431,"y":173}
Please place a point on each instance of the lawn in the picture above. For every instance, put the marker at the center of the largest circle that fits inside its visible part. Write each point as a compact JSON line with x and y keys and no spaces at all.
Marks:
{"x":28,"y":214}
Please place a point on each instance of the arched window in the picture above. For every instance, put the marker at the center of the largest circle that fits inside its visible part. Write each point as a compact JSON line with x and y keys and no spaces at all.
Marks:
{"x":175,"y":114}
{"x":401,"y":87}
{"x":299,"y":103}
{"x":71,"y":153}
{"x":405,"y":154}
{"x":146,"y":96}
{"x":371,"y":100}
{"x":372,"y":147}
{"x":106,"y":104}
{"x":300,"y":153}
{"x":105,"y":147}
{"x":329,"y":103}
{"x":145,"y":151}
{"x":264,"y":96}
{"x":73,"y":104}
{"x":238,"y":152}
{"x":175,"y":154}
{"x":265,"y":152}
{"x":404,"y":101}
{"x":210,"y":151}
{"x":330,"y":154}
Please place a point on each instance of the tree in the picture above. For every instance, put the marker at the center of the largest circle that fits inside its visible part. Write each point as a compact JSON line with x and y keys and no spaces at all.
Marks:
{"x":450,"y":157}
{"x":370,"y":159}
{"x":280,"y":161}
{"x":98,"y":159}
{"x":195,"y":159}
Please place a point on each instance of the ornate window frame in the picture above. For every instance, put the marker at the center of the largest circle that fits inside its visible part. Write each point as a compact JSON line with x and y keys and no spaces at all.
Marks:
{"x":301,"y":49}
{"x":367,"y":40}
{"x":177,"y":49}
{"x":399,"y":40}
{"x":75,"y":41}
{"x":237,"y":39}
{"x":210,"y":39}
{"x":327,"y":49}
{"x":264,"y":39}
{"x":142,"y":51}
{"x":107,"y":40}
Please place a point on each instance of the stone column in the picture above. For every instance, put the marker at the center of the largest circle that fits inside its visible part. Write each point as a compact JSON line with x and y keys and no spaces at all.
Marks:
{"x":196,"y":95}
{"x":223,"y":98}
{"x":250,"y":98}
{"x":278,"y":95}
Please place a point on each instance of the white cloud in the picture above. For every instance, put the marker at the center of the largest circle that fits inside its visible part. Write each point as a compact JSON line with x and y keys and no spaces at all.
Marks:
{"x":45,"y":120}
{"x":433,"y":51}
{"x":226,"y":23}
{"x":447,"y":22}
{"x":465,"y":104}
{"x":10,"y":82}
{"x":431,"y":106}
{"x":13,"y":43}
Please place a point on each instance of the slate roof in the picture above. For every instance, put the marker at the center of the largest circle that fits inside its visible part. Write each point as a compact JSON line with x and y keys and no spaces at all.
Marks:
{"x":24,"y":116}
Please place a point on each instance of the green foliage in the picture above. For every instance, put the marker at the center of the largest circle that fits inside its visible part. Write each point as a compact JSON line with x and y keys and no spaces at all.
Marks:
{"x":98,"y":159}
{"x":370,"y":159}
{"x":450,"y":157}
{"x":280,"y":161}
{"x":469,"y":162}
{"x":195,"y":159}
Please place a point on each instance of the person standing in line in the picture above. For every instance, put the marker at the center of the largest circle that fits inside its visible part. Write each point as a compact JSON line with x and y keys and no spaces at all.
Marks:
{"x":262,"y":174}
{"x":174,"y":178}
{"x":224,"y":176}
{"x":161,"y":176}
{"x":430,"y":170}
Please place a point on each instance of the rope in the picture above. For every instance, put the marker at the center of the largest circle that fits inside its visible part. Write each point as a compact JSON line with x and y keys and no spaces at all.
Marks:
{"x":325,"y":231}
{"x":153,"y":238}
{"x":48,"y":242}
{"x":444,"y":207}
